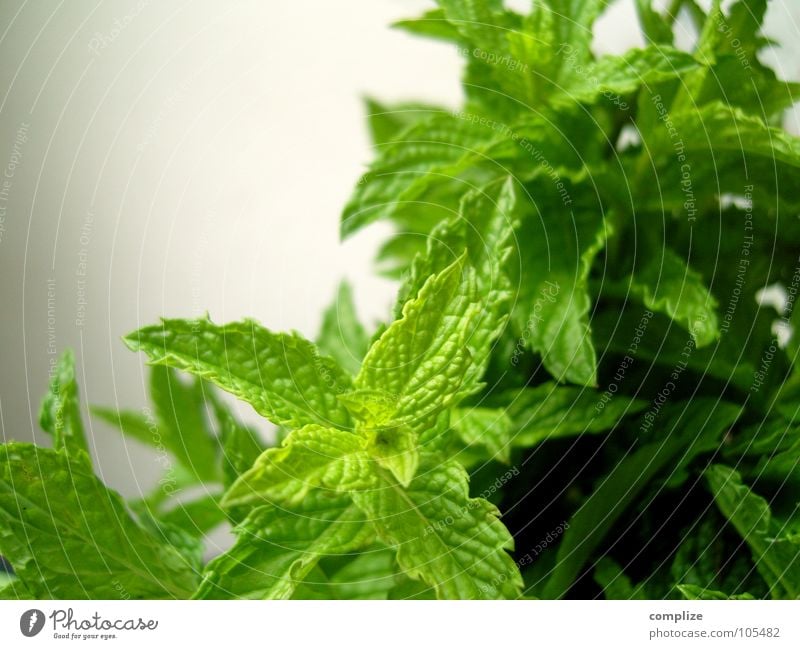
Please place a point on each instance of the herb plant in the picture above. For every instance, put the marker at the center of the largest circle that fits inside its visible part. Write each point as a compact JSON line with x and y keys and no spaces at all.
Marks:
{"x":580,"y":393}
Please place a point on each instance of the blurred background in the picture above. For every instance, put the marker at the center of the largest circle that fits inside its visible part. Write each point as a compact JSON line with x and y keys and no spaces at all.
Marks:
{"x":172,"y":158}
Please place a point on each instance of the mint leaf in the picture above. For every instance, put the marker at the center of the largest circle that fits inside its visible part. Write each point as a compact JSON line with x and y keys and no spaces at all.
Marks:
{"x":656,"y":28}
{"x":419,"y":364}
{"x":420,"y":360}
{"x":179,"y":423}
{"x":455,"y":544}
{"x":369,"y":575}
{"x":342,"y":336}
{"x":612,"y":78}
{"x":553,"y":303}
{"x":184,"y":541}
{"x":312,"y":457}
{"x":69,"y":537}
{"x":387,"y":122}
{"x":664,"y":345}
{"x":711,"y":557}
{"x":283,"y":376}
{"x":432,"y":24}
{"x":197,"y":517}
{"x":480,"y":22}
{"x":426,"y":154}
{"x":615,"y":583}
{"x":666,"y":284}
{"x":12,"y":588}
{"x":181,"y":411}
{"x":717,"y":127}
{"x":742,"y":27}
{"x":550,"y":411}
{"x":130,"y":423}
{"x":486,"y":428}
{"x":277,"y":547}
{"x":556,"y":41}
{"x":240,"y":444}
{"x":600,"y":221}
{"x":533,"y":415}
{"x":776,"y":550}
{"x":690,"y":591}
{"x":484,"y":228}
{"x":60,"y":414}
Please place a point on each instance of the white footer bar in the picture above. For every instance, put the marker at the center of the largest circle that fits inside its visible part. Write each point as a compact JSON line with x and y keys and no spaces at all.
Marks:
{"x":386,"y":625}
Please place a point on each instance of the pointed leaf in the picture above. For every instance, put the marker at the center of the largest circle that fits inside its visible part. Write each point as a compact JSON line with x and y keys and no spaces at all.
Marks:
{"x":342,"y":336}
{"x":283,"y":376}
{"x":666,"y":284}
{"x":486,"y":428}
{"x":553,"y":303}
{"x":484,"y":228}
{"x":421,"y":359}
{"x":241,"y":446}
{"x":551,"y":411}
{"x":454,"y":543}
{"x":432,"y":24}
{"x":312,"y":457}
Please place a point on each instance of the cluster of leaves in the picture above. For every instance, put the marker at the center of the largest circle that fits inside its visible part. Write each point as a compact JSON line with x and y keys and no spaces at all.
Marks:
{"x":576,"y":346}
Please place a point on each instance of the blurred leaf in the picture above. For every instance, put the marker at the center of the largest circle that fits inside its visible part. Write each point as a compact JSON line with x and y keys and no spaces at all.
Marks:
{"x":69,"y":537}
{"x":60,"y":414}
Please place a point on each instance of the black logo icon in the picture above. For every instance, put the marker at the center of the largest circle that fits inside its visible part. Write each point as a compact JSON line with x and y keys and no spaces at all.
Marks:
{"x":31,"y":622}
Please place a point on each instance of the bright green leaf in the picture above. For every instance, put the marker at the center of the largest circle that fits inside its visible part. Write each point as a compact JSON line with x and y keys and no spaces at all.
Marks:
{"x":283,"y":376}
{"x":60,"y":414}
{"x":277,"y":547}
{"x":69,"y":537}
{"x":313,"y":457}
{"x":454,"y":543}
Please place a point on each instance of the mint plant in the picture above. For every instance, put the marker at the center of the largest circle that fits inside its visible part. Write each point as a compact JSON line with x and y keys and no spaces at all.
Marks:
{"x":578,"y":394}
